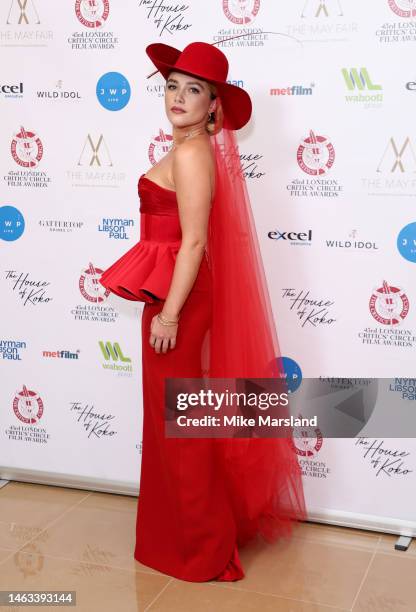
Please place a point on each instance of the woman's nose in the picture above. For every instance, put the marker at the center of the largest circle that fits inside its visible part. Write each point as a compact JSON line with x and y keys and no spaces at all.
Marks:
{"x":178,"y":95}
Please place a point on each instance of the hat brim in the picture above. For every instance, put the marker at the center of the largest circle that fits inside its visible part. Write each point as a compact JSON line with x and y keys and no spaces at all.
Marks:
{"x":236,"y":102}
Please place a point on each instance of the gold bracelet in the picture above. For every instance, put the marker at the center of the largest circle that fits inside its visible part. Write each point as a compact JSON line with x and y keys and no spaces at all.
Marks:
{"x":166,"y":322}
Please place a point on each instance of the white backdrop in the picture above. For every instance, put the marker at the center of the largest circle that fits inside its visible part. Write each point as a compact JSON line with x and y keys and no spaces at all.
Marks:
{"x":330,"y":162}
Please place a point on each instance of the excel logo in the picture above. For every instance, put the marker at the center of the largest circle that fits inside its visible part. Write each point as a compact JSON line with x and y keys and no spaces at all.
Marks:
{"x":113,"y":354}
{"x":359,"y":80}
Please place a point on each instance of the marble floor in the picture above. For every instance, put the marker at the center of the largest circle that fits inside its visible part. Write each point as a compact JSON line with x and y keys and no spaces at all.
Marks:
{"x":55,"y":538}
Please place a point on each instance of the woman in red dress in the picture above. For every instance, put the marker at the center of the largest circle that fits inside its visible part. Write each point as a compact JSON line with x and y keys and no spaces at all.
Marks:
{"x":207,"y":313}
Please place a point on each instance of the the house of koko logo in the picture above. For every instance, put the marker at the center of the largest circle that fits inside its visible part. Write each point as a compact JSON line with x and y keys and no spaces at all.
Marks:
{"x":159,"y":146}
{"x":310,"y":310}
{"x":250,"y":165}
{"x":28,"y":405}
{"x":406,"y":242}
{"x":168,"y":16}
{"x":113,"y":91}
{"x":361,"y":88}
{"x":29,"y":290}
{"x":241,"y":12}
{"x":95,"y":166}
{"x":114,"y":359}
{"x":402,"y":30}
{"x":395,"y":170}
{"x":26,"y":150}
{"x":90,"y":287}
{"x":92,"y":15}
{"x":323,"y":20}
{"x":315,"y":156}
{"x":24,"y":26}
{"x":95,"y":422}
{"x":12,"y":223}
{"x":389,"y":306}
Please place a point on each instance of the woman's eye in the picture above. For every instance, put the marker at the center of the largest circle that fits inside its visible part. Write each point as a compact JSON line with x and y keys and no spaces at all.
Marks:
{"x":170,"y":86}
{"x":194,"y":89}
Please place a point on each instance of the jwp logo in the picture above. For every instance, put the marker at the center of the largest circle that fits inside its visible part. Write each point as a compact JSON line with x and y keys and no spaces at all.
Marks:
{"x":360,"y":80}
{"x":113,"y":91}
{"x":12,"y":223}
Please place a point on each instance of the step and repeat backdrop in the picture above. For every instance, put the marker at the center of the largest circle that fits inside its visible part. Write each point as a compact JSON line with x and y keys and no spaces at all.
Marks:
{"x":330,"y":162}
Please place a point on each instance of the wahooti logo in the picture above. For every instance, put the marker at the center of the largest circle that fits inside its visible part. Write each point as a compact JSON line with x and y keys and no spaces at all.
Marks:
{"x":26,"y":148}
{"x":389,"y":305}
{"x":358,"y":81}
{"x":241,"y":12}
{"x":159,"y":146}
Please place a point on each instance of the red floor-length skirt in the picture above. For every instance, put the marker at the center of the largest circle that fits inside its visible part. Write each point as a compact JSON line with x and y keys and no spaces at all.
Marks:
{"x":185,"y":526}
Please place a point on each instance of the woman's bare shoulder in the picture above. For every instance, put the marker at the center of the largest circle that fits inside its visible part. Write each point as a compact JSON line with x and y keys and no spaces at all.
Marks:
{"x":194,"y":153}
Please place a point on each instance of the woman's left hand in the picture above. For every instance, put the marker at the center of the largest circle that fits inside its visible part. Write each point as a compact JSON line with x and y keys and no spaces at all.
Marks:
{"x":161,"y":336}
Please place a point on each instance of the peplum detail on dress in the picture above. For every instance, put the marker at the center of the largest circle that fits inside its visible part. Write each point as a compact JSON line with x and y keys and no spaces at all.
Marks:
{"x":144,"y":273}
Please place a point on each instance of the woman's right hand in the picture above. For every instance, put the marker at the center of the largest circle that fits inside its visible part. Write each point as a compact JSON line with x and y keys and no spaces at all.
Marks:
{"x":162,"y":336}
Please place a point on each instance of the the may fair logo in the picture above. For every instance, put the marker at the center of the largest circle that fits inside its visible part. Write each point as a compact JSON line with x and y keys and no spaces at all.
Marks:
{"x":389,"y":306}
{"x":395,"y":171}
{"x":321,"y":21}
{"x":95,"y":294}
{"x":92,"y":15}
{"x":167,"y":16}
{"x":26,"y":150}
{"x":95,"y":165}
{"x":402,"y":30}
{"x":24,"y":27}
{"x":315,"y":156}
{"x":28,"y":408}
{"x":242,"y":16}
{"x":159,"y":146}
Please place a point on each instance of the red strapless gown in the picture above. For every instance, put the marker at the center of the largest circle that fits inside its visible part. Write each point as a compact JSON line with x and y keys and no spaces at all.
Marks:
{"x":185,"y":524}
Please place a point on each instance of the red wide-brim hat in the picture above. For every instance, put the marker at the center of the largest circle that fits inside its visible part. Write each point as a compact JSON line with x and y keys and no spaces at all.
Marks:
{"x":208,"y":63}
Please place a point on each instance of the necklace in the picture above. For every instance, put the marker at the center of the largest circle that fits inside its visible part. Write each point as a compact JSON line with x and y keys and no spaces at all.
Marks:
{"x":187,"y":136}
